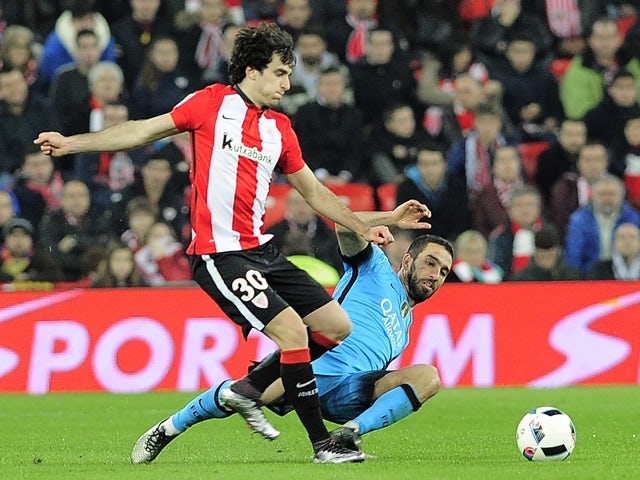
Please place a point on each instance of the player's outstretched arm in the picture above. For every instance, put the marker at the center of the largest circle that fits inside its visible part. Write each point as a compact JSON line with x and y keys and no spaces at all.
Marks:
{"x":124,"y":136}
{"x":408,"y":215}
{"x":325,"y":202}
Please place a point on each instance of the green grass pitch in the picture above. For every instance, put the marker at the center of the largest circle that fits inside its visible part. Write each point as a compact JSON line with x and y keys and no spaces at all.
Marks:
{"x":462,"y":433}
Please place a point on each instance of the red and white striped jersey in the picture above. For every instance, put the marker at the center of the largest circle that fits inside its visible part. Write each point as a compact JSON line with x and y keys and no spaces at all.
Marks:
{"x":236,"y":146}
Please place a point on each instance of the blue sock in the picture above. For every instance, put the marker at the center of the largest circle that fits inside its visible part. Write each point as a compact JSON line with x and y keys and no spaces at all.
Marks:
{"x":390,"y":407}
{"x":203,"y":407}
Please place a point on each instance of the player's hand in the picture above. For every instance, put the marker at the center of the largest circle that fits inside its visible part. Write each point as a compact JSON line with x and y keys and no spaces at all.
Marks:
{"x":378,"y":235}
{"x":52,"y":143}
{"x":409,"y":215}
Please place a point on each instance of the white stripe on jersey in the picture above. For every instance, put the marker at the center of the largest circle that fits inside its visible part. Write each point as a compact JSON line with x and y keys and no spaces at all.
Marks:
{"x":225,"y":165}
{"x":228,"y":294}
{"x":271,"y":141}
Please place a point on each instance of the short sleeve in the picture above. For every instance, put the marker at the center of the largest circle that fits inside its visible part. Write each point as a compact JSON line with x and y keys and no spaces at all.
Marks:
{"x":192,"y":111}
{"x":291,"y":159}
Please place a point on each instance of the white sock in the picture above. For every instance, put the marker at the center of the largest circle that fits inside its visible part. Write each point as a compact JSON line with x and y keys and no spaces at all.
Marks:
{"x":169,"y":428}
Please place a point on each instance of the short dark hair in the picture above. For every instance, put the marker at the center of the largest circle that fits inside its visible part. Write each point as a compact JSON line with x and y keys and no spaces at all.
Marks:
{"x":255,"y":46}
{"x":622,"y":73}
{"x":547,"y":237}
{"x":421,"y":242}
{"x":487,"y":109}
{"x":521,"y":37}
{"x":82,"y":8}
{"x":391,"y":108}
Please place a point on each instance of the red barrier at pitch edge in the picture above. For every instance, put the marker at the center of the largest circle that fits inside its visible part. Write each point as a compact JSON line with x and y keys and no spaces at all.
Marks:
{"x":135,"y":340}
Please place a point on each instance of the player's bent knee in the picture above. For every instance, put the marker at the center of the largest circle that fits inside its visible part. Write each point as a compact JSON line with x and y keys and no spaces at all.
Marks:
{"x":331,"y":321}
{"x":426,"y":380}
{"x":287,"y":331}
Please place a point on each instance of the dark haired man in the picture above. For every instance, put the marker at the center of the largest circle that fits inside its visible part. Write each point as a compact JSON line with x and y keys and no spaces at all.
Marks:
{"x":237,"y":143}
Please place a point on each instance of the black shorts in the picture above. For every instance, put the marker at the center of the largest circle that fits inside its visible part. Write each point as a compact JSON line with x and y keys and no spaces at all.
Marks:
{"x":253,"y":286}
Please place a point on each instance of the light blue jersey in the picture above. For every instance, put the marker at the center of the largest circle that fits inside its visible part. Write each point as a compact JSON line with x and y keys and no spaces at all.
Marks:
{"x":373,"y":296}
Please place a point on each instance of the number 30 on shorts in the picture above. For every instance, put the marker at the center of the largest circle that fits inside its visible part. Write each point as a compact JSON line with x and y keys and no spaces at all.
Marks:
{"x":247,"y":285}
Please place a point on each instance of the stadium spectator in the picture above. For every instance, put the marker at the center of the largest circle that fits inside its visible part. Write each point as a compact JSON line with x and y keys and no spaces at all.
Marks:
{"x":22,"y":115}
{"x":627,"y":160}
{"x":106,"y":85}
{"x":560,"y":157}
{"x":200,"y":36}
{"x":573,"y":189}
{"x":471,"y":264}
{"x":108,"y":173}
{"x":119,"y":269}
{"x":140,"y":216}
{"x":583,"y":84}
{"x":394,"y":145}
{"x":312,"y":58}
{"x":336,"y":156}
{"x":71,"y":230}
{"x":161,"y":82}
{"x":176,"y":149}
{"x":529,"y":92}
{"x":625,"y":256}
{"x":490,"y":208}
{"x":19,"y":260}
{"x":38,"y":186}
{"x":379,"y":80}
{"x":428,"y":182}
{"x":91,"y":263}
{"x":590,"y":230}
{"x":161,"y":259}
{"x":378,"y":397}
{"x":606,"y":121}
{"x":69,"y":91}
{"x":9,"y":208}
{"x":490,"y":34}
{"x":425,"y":24}
{"x":347,"y":35}
{"x":134,"y":33}
{"x":300,"y":217}
{"x":60,"y":46}
{"x":18,"y":51}
{"x":566,"y":20}
{"x":154,"y":183}
{"x":439,"y":76}
{"x":294,"y":17}
{"x":452,"y":123}
{"x":471,"y":158}
{"x":547,"y":263}
{"x":511,"y":244}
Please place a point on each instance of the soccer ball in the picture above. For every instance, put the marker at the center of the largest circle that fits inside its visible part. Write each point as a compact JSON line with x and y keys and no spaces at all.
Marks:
{"x":546,"y":433}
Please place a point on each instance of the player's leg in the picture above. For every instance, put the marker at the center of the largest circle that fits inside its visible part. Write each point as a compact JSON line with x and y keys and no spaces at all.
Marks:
{"x":328,"y":326}
{"x":205,"y":406}
{"x":247,"y":286}
{"x":395,"y":396}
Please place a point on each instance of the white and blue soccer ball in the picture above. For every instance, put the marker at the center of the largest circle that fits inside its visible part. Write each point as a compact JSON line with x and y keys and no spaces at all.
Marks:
{"x":546,"y":433}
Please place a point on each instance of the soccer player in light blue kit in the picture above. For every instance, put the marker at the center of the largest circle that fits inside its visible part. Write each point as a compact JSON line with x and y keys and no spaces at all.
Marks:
{"x":354,"y":386}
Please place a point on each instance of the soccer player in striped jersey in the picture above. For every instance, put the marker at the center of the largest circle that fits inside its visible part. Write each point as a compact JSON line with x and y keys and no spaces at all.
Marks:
{"x":237,"y":142}
{"x":354,"y":385}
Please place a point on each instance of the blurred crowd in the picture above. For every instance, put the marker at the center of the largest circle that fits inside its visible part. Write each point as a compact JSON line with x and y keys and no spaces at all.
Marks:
{"x":517,"y":122}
